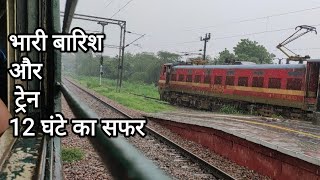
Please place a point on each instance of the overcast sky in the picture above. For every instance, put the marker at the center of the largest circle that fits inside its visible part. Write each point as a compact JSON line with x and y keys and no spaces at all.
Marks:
{"x":176,"y":25}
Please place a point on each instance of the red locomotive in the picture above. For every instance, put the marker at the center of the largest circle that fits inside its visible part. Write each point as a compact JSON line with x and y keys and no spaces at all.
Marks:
{"x":290,"y":89}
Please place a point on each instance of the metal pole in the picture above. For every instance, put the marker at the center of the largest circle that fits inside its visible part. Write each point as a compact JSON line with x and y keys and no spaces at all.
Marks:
{"x":101,"y":58}
{"x":205,"y":39}
{"x":205,"y":50}
{"x":119,"y":60}
{"x":100,"y":83}
{"x":122,"y":56}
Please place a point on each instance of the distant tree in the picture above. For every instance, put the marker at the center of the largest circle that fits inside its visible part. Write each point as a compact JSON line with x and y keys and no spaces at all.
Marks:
{"x":247,"y":50}
{"x":110,"y":67}
{"x":68,"y":62}
{"x":168,"y":57}
{"x":141,"y":67}
{"x":224,"y":56}
{"x":86,"y":64}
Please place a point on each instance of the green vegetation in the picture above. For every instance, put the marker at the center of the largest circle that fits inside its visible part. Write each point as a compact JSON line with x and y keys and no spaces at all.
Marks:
{"x":72,"y":154}
{"x":246,"y":50}
{"x":275,"y":116}
{"x":227,"y":109}
{"x":126,"y":97}
{"x":140,"y":67}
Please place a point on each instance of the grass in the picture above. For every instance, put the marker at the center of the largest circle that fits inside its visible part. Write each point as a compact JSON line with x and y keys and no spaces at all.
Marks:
{"x":275,"y":116}
{"x":108,"y":89}
{"x":72,"y":154}
{"x":227,"y":109}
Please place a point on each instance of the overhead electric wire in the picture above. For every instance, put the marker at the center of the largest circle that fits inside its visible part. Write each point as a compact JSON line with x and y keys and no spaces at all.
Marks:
{"x":135,"y":40}
{"x":255,"y":33}
{"x":111,"y":46}
{"x":121,"y":8}
{"x":109,"y":3}
{"x":241,"y":35}
{"x":186,"y":52}
{"x":304,"y":49}
{"x":187,"y":42}
{"x":255,"y":19}
{"x":130,"y":32}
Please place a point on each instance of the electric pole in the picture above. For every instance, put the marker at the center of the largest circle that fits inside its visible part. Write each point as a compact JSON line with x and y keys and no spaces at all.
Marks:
{"x":123,"y":30}
{"x":205,"y":39}
{"x":101,"y":58}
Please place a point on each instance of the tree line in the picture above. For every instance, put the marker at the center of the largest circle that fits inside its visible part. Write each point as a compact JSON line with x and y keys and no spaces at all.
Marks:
{"x":145,"y":67}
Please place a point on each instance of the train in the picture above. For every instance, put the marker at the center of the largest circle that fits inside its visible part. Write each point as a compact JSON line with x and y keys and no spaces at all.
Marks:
{"x":268,"y":89}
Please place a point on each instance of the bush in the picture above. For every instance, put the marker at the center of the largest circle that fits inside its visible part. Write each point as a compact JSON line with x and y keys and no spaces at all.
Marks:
{"x":275,"y":116}
{"x":138,"y":77}
{"x":72,"y":154}
{"x":227,"y":109}
{"x":92,"y":84}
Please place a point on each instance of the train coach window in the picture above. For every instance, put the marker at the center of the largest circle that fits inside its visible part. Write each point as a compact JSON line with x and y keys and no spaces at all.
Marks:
{"x":230,"y":80}
{"x":173,"y":77}
{"x":294,"y":84}
{"x":274,"y":83}
{"x":181,"y":77}
{"x":218,"y":80}
{"x":207,"y":79}
{"x":257,"y":82}
{"x":243,"y":81}
{"x":197,"y":79}
{"x":189,"y":78}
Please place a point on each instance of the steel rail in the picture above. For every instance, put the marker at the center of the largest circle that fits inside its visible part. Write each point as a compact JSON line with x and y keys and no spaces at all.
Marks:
{"x":123,"y":160}
{"x":101,"y":101}
{"x":218,"y":173}
{"x":152,"y":98}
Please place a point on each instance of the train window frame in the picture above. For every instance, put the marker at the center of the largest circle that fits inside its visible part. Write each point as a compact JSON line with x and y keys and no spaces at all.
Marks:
{"x":181,"y":79}
{"x":258,"y":82}
{"x":197,"y":79}
{"x":207,"y":79}
{"x":189,"y":78}
{"x":218,"y":80}
{"x":273,"y":86}
{"x":230,"y":80}
{"x":243,"y":81}
{"x":292,"y":84}
{"x":175,"y":77}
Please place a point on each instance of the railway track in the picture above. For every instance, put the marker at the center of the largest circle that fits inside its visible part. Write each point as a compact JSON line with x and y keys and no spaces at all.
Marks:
{"x":152,"y":98}
{"x":206,"y":167}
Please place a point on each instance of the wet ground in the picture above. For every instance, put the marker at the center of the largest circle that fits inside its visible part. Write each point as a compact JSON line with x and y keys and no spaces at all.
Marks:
{"x":299,"y":139}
